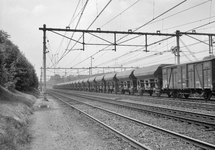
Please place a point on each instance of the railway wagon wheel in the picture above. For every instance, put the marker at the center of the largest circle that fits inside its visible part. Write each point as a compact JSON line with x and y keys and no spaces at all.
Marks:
{"x":169,"y":94}
{"x":132,"y":92}
{"x":141,"y":92}
{"x":174,"y":94}
{"x":150,"y":93}
{"x":129,"y":92}
{"x":186,"y":96}
{"x":159,"y":94}
{"x":207,"y":95}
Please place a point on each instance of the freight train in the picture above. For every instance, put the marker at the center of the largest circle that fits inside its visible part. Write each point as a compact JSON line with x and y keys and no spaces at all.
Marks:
{"x":184,"y":80}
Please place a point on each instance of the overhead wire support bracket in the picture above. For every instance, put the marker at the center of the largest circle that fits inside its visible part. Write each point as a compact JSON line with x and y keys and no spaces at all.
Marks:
{"x":115,"y":42}
{"x":66,"y":37}
{"x":83,"y":42}
{"x":178,"y":34}
{"x":146,"y":43}
{"x":108,"y":67}
{"x":108,"y":32}
{"x":210,"y":45}
{"x":196,"y":33}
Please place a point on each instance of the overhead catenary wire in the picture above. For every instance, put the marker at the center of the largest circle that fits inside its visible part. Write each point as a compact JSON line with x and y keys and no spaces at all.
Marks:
{"x":169,"y":17}
{"x":153,"y":19}
{"x":152,"y":55}
{"x":188,"y":50}
{"x":65,"y":52}
{"x":72,"y":19}
{"x":124,"y":55}
{"x":142,"y":25}
{"x":87,"y":28}
{"x":182,"y":11}
{"x":93,"y":21}
{"x":96,"y":18}
{"x":211,"y":22}
{"x":160,"y":15}
{"x":120,"y":13}
{"x":77,"y":25}
{"x":189,"y":23}
{"x":147,"y":57}
{"x":50,"y":53}
{"x":145,"y":24}
{"x":187,"y":35}
{"x":73,"y":16}
{"x":99,"y":14}
{"x":135,"y":50}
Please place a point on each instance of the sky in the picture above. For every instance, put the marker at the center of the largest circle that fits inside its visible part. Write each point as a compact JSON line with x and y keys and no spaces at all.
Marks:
{"x":21,"y":19}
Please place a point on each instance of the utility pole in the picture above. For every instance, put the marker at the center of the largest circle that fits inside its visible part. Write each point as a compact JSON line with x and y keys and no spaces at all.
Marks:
{"x":178,"y":47}
{"x":65,"y":72}
{"x":91,"y":65}
{"x":41,"y":79}
{"x":210,"y":46}
{"x":44,"y":60}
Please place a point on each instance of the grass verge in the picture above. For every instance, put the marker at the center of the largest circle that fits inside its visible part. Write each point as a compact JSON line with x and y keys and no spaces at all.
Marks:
{"x":15,"y":109}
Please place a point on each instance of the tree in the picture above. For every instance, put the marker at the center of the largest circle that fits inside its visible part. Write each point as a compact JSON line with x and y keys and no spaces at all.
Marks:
{"x":3,"y":72}
{"x":15,"y":70}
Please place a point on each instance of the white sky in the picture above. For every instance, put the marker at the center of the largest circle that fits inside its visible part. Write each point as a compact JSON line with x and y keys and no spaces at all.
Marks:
{"x":22,"y":19}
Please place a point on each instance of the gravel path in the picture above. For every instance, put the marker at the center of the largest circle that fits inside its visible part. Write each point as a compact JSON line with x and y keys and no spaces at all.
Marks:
{"x":61,"y":128}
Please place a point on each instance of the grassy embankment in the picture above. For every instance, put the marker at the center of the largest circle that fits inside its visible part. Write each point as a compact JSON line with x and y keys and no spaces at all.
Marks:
{"x":15,"y":109}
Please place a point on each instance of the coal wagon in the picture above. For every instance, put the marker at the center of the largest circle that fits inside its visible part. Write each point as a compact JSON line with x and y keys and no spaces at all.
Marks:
{"x":149,"y":79}
{"x":127,"y":82}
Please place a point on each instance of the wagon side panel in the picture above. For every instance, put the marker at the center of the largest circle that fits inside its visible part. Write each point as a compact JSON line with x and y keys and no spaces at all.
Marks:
{"x":199,"y":76}
{"x":190,"y":70}
{"x":213,"y":75}
{"x":207,"y":74}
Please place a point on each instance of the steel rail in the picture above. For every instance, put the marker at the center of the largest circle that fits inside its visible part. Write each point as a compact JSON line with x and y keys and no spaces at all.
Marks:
{"x":166,"y":112}
{"x":187,"y":104}
{"x":208,"y":106}
{"x":133,"y":142}
{"x":192,"y":101}
{"x":185,"y":138}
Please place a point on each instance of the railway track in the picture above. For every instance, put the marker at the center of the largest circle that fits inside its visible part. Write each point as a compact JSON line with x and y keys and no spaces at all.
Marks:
{"x":194,"y":104}
{"x":206,"y":120}
{"x":126,"y":138}
{"x":184,"y":138}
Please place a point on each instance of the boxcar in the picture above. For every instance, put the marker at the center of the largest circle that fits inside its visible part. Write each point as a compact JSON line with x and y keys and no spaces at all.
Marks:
{"x":126,"y":81}
{"x":111,"y":83}
{"x":190,"y":78}
{"x":149,"y":79}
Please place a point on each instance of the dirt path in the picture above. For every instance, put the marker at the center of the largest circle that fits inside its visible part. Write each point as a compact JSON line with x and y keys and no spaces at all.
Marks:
{"x":61,"y":128}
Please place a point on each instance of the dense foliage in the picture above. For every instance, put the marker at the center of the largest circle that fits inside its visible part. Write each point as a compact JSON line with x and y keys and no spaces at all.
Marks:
{"x":15,"y":70}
